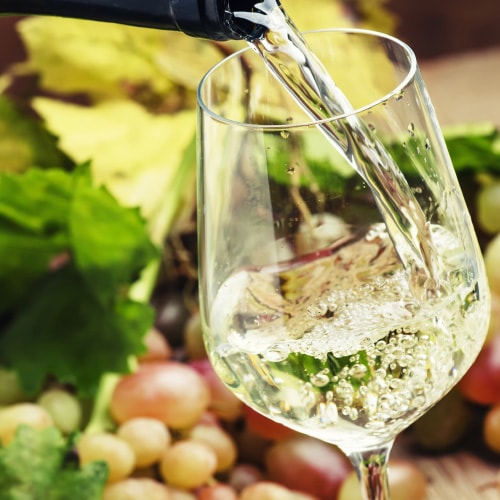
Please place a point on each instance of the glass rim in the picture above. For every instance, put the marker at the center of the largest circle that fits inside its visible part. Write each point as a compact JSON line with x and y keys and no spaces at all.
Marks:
{"x":412,"y":71}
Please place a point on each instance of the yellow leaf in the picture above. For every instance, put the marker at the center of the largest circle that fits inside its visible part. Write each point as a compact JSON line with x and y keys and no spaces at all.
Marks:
{"x":134,"y":153}
{"x":100,"y":59}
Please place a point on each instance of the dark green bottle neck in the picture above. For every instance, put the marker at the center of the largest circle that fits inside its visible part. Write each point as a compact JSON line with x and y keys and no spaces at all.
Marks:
{"x":200,"y":18}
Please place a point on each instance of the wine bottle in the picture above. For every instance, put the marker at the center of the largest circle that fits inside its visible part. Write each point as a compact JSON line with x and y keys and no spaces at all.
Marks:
{"x":212,"y":19}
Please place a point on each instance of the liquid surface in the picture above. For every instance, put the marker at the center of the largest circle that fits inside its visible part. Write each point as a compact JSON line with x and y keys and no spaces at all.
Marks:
{"x":337,"y":346}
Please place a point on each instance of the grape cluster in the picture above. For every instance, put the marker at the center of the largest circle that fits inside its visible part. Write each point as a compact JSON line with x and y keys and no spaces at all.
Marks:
{"x":179,"y":434}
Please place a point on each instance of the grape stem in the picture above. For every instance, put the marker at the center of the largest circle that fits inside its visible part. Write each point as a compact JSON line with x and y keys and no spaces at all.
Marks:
{"x":371,"y":469}
{"x":100,"y":419}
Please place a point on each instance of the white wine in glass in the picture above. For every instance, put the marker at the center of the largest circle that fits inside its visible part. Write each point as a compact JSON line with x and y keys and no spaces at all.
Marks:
{"x":342,"y":287}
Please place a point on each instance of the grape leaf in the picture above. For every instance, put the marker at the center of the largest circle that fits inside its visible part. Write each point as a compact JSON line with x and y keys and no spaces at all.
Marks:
{"x":34,"y":466}
{"x":65,"y":331}
{"x":473,"y":146}
{"x":134,"y":153}
{"x":74,"y":320}
{"x":32,"y":219}
{"x":98,"y":59}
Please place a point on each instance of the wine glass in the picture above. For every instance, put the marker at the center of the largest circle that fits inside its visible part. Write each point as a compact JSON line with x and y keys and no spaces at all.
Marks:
{"x":342,"y":288}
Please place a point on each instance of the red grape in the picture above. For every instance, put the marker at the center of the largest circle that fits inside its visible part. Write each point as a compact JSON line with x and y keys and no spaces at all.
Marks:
{"x":481,"y":384}
{"x":171,"y":392}
{"x":217,"y":492}
{"x":157,"y":348}
{"x":223,"y":402}
{"x":265,"y":427}
{"x":308,"y":465}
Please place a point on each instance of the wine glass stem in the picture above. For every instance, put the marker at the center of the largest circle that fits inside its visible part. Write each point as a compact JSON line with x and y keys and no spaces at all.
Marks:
{"x":371,"y":468}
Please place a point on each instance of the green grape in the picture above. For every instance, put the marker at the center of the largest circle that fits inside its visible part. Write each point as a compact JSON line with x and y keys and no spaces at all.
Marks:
{"x":492,"y":263}
{"x":188,"y":464}
{"x":64,"y":407}
{"x":488,"y":206}
{"x":272,"y":491}
{"x":219,"y":441}
{"x":148,"y":437}
{"x":108,"y":448}
{"x":491,"y":428}
{"x":136,"y":489}
{"x":406,"y":482}
{"x":11,"y":417}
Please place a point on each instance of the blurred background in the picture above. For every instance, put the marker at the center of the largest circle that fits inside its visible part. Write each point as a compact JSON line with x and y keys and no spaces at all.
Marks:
{"x":433,"y":28}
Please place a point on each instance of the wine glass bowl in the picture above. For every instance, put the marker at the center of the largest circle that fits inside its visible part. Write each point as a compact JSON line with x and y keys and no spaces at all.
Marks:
{"x":342,"y":288}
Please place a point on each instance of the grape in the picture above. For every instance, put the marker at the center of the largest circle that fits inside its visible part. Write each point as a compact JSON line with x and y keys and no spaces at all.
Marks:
{"x":188,"y":464}
{"x":494,"y":326}
{"x":65,"y":409}
{"x":406,"y":482}
{"x":171,"y":392}
{"x":492,"y":264}
{"x":491,"y":428}
{"x":149,"y":438}
{"x":219,"y":441}
{"x":265,"y":427}
{"x":223,"y":402}
{"x":243,"y":475}
{"x":267,"y":490}
{"x":488,"y":205}
{"x":136,"y":489}
{"x":157,"y":348}
{"x":443,"y":425}
{"x":171,"y":316}
{"x":251,"y":447}
{"x":481,"y":383}
{"x":11,"y":417}
{"x":11,"y":391}
{"x":217,"y":492}
{"x":108,"y":448}
{"x":193,"y":338}
{"x":322,"y":466}
{"x":177,"y":494}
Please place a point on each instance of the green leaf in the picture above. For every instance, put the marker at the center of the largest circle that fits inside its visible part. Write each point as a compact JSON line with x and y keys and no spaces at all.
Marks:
{"x":108,"y":255}
{"x":474,"y":146}
{"x":73,"y":319}
{"x":34,"y":466}
{"x":64,"y":331}
{"x":33,"y":219}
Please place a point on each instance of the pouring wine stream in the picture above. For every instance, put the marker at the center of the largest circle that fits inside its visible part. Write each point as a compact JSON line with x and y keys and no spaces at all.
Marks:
{"x":289,"y":59}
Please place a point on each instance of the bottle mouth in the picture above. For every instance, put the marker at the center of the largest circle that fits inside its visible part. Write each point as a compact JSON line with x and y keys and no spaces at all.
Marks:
{"x":215,"y":19}
{"x":241,"y":27}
